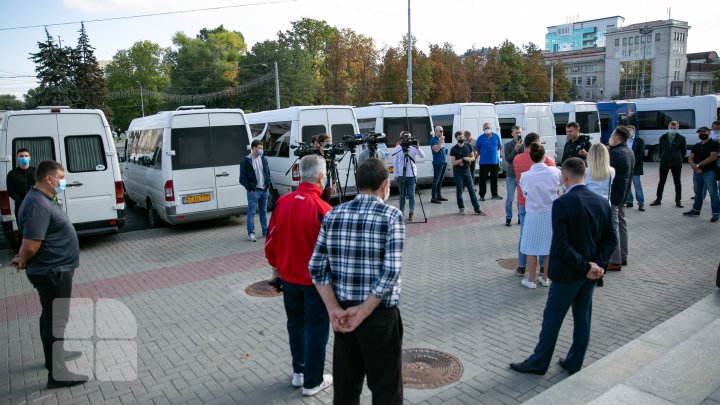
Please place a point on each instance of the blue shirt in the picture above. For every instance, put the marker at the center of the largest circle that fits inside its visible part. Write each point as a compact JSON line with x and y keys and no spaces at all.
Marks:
{"x":439,"y":156}
{"x":488,"y":148}
{"x":359,"y":251}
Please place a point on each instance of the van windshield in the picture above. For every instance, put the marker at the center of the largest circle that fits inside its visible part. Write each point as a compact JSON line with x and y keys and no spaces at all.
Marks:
{"x":419,"y":127}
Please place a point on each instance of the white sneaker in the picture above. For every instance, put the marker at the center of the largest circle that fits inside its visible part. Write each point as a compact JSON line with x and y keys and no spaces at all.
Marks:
{"x":327,"y":381}
{"x":527,"y":283}
{"x":252,"y":238}
{"x":297,"y":380}
{"x":545,"y":282}
{"x":462,"y":211}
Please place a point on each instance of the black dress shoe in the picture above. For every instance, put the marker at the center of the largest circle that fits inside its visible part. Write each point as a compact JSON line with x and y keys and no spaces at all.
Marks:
{"x":524,"y":367}
{"x":679,"y":205}
{"x":641,"y":207}
{"x":442,"y":199}
{"x":564,"y":366}
{"x":435,"y":201}
{"x":629,"y":205}
{"x":508,"y":222}
{"x":71,"y":380}
{"x":482,"y":198}
{"x":655,"y":203}
{"x":623,"y":261}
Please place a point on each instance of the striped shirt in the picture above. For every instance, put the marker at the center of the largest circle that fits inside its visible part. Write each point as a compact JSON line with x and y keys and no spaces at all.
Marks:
{"x":359,"y":251}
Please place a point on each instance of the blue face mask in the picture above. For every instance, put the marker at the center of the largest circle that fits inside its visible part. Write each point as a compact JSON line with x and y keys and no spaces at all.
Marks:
{"x":672,"y":132}
{"x":259,"y":152}
{"x":62,"y":183}
{"x":24,"y":161}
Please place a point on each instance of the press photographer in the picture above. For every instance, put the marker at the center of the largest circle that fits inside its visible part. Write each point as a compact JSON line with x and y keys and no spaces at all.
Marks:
{"x":576,"y":145}
{"x":405,"y":153}
{"x":372,"y":141}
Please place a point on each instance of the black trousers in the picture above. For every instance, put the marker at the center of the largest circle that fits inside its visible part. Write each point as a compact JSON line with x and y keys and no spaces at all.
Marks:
{"x":676,"y":172}
{"x":53,"y":320}
{"x":484,"y":171}
{"x":373,"y":349}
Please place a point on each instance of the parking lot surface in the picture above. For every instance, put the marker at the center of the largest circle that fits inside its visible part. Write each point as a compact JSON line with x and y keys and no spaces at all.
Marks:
{"x":201,"y":339}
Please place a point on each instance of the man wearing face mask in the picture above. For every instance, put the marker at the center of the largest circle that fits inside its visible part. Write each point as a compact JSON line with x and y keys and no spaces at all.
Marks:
{"x":488,"y":146}
{"x":49,"y":254}
{"x":360,"y":286}
{"x":637,"y":145}
{"x":255,"y":177}
{"x":672,"y":148}
{"x":461,"y":156}
{"x":20,"y":179}
{"x":703,"y":158}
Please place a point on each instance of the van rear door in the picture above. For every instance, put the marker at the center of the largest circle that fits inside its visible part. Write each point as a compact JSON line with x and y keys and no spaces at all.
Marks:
{"x":85,"y":154}
{"x":193,"y":174}
{"x":230,"y":141}
{"x":546,"y":122}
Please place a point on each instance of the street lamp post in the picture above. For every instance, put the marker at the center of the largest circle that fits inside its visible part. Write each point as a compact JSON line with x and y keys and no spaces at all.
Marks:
{"x":409,"y":59}
{"x":142,"y":101}
{"x":277,"y":84}
{"x":644,"y":31}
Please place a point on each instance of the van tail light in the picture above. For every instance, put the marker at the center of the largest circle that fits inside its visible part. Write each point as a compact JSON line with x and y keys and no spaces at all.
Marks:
{"x":119,"y":193}
{"x":5,"y":203}
{"x":296,"y":172}
{"x":169,"y":191}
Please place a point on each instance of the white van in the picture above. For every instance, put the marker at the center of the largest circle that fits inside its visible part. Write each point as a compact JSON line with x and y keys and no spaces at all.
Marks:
{"x":391,"y":119}
{"x":691,"y":112}
{"x":184,"y":165}
{"x":463,"y":117}
{"x":284,"y":128}
{"x":584,"y":113}
{"x":530,"y":117}
{"x":81,"y":141}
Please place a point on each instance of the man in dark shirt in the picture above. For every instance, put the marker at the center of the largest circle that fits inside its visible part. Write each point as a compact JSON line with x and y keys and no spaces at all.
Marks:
{"x":49,"y":254}
{"x":622,"y":160}
{"x":672,"y":149}
{"x":461,"y":157}
{"x":21,"y":178}
{"x":702,"y":160}
{"x":576,"y":145}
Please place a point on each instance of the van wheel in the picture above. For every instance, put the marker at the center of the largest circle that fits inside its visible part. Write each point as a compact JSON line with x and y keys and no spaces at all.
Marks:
{"x":129,"y":203}
{"x":273,"y":196}
{"x":153,"y":217}
{"x":655,"y":154}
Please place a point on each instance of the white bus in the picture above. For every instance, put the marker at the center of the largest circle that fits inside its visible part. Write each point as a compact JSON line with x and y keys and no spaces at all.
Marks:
{"x":184,"y":165}
{"x":530,"y":117}
{"x":584,"y":113}
{"x":391,"y":119}
{"x":81,"y":141}
{"x":281,"y":129}
{"x":463,"y":117}
{"x":691,"y":112}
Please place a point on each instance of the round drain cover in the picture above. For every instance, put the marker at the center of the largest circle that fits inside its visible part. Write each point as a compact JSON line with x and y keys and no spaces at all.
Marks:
{"x":428,"y":368}
{"x":510,"y":264}
{"x":262,"y":289}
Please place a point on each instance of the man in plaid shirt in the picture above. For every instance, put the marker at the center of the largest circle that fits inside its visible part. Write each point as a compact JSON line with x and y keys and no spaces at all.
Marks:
{"x":356,"y":269}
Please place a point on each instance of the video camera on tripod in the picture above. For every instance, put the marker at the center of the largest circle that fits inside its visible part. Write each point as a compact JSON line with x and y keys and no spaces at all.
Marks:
{"x":371,"y":140}
{"x":303,"y":149}
{"x":408,"y":141}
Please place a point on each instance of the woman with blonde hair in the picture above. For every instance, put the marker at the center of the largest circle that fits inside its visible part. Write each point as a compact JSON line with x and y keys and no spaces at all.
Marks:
{"x":599,"y":174}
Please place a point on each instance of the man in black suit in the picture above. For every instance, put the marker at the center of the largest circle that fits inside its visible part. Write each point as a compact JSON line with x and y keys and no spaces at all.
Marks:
{"x":583,"y":240}
{"x":638,"y":147}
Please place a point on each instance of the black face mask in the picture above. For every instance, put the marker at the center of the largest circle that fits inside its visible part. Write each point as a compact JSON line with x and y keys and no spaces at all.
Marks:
{"x":704,"y":137}
{"x":461,"y":141}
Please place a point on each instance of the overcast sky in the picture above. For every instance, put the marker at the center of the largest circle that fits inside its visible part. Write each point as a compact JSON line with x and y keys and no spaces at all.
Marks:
{"x":463,"y":23}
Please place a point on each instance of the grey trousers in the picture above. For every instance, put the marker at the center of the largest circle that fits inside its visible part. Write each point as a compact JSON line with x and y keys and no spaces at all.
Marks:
{"x":618,"y":218}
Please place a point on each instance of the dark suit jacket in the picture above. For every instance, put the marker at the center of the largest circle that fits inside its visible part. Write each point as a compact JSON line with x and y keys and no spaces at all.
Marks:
{"x":582,"y":232}
{"x":672,"y":153}
{"x":638,"y":149}
{"x":623,"y":161}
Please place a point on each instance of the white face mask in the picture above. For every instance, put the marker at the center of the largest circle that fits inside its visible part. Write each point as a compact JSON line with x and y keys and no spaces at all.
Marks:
{"x":488,"y":131}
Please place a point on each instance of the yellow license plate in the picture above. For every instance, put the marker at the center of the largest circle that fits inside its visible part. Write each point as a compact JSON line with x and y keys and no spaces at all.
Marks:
{"x":196,"y":198}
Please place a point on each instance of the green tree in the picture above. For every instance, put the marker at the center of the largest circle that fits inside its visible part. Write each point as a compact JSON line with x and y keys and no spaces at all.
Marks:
{"x":350,"y":68}
{"x":144,"y":64}
{"x":392,"y":77}
{"x":52,"y":64}
{"x":11,"y":102}
{"x":562,"y":88}
{"x":89,"y":78}
{"x":494,"y":79}
{"x":512,"y":58}
{"x":537,"y":76}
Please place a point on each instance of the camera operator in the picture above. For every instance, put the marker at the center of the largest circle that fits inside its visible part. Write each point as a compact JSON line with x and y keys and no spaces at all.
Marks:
{"x":296,"y":222}
{"x":576,"y":145}
{"x":406,"y":169}
{"x":319,"y":142}
{"x":374,"y":148}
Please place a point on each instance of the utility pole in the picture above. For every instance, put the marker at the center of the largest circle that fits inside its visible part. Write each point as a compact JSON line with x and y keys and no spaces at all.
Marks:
{"x":277,"y":87}
{"x":409,"y":58}
{"x":552,"y":81}
{"x":142,"y":102}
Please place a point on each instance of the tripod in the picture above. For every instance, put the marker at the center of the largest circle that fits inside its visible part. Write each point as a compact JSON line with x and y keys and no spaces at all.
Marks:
{"x":402,"y":186}
{"x":332,"y":171}
{"x":351,"y":163}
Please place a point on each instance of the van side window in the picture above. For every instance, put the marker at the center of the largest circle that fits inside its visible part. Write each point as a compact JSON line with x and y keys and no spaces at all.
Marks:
{"x":145,"y":144}
{"x":308,"y":131}
{"x":366,"y":125}
{"x":506,"y":125}
{"x":40,"y":148}
{"x":192,"y":148}
{"x":445,"y":121}
{"x":229,"y":144}
{"x":561,"y":120}
{"x":85,"y":153}
{"x":661,"y":119}
{"x":275,"y":131}
{"x":338,"y":131}
{"x":419,"y":127}
{"x":157,"y":157}
{"x":256,"y":129}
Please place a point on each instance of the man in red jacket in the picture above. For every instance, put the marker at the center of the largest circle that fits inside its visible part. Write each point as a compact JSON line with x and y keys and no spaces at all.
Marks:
{"x":294,"y":227}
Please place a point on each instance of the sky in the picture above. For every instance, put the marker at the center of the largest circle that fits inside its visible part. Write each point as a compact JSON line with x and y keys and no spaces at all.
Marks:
{"x":462,"y":23}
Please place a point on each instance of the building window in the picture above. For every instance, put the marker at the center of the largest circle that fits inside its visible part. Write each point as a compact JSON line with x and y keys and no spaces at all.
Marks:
{"x":617,"y":42}
{"x":657,"y":37}
{"x":624,"y":41}
{"x":637,"y":40}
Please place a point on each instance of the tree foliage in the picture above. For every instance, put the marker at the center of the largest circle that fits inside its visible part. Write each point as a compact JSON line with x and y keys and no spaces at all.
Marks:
{"x":90,"y":87}
{"x":54,"y":72}
{"x":11,"y":102}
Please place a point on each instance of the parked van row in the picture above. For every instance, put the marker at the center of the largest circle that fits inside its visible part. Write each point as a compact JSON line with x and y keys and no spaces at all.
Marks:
{"x":82,"y":142}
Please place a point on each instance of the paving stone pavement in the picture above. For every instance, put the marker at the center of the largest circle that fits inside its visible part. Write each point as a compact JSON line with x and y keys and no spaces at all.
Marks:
{"x":201,"y":339}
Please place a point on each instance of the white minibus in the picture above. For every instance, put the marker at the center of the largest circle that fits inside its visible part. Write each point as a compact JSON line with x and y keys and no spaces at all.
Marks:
{"x":82,"y":142}
{"x":184,"y":165}
{"x":584,"y":113}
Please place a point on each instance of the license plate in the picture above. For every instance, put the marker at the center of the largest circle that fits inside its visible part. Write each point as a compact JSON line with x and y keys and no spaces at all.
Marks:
{"x":196,"y":198}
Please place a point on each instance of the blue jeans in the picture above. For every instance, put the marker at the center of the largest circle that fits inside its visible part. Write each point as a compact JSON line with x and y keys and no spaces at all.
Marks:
{"x":522,"y":259}
{"x":702,"y":184}
{"x":638,"y":191}
{"x":465,"y":181}
{"x":561,"y":297}
{"x":438,"y":177}
{"x":511,"y":186}
{"x":406,"y":186}
{"x":257,"y":200}
{"x":308,"y":328}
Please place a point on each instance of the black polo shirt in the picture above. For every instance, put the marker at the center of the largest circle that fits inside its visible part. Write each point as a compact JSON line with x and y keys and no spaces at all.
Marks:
{"x":702,"y":151}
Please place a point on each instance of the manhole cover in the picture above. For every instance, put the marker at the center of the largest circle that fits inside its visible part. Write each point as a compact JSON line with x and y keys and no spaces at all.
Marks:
{"x":428,"y":368}
{"x":510,"y":264}
{"x":262,"y":289}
